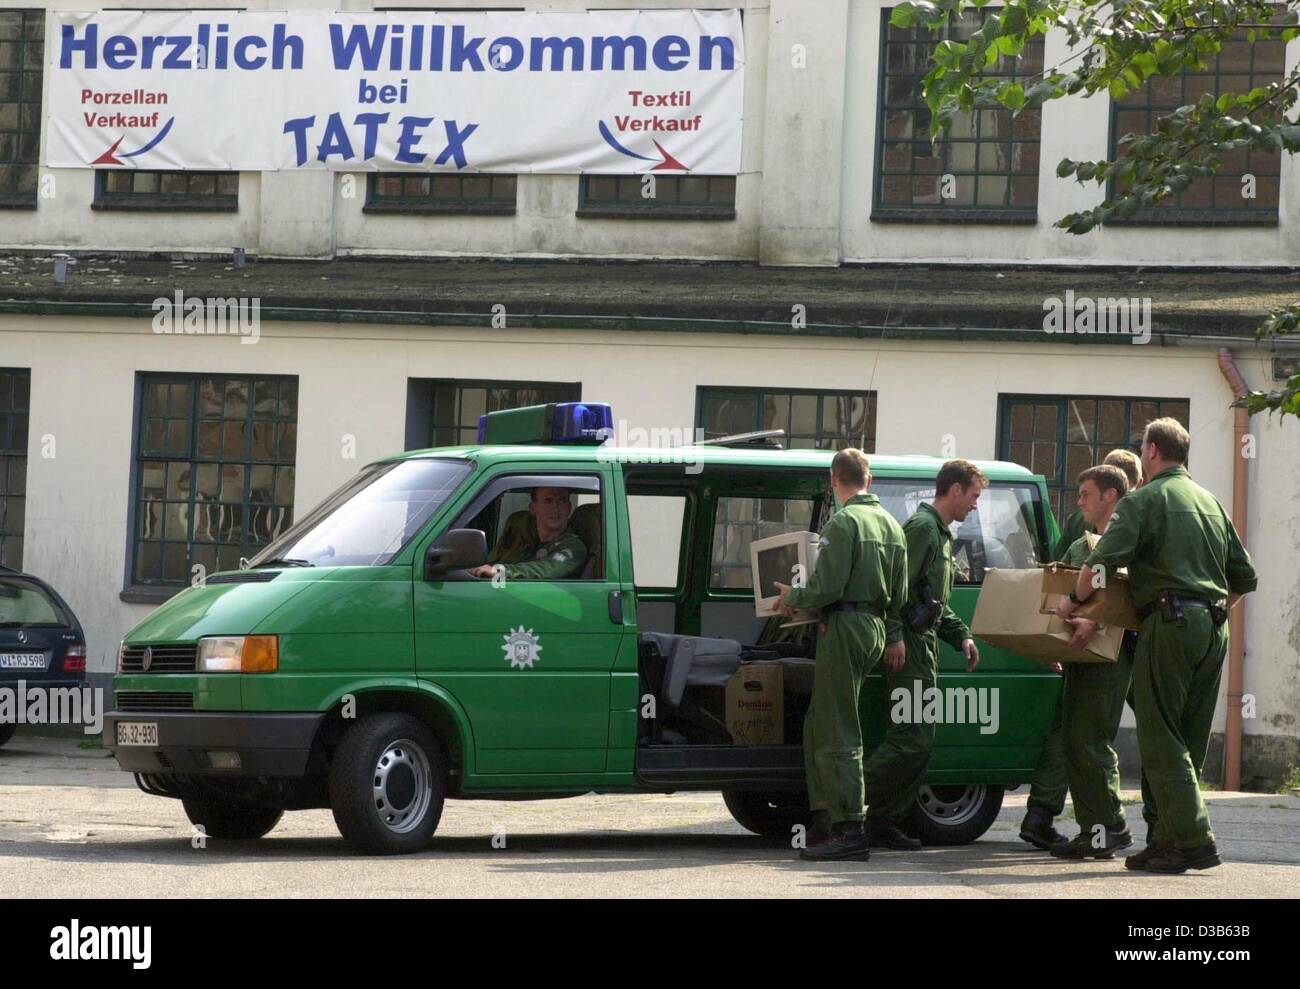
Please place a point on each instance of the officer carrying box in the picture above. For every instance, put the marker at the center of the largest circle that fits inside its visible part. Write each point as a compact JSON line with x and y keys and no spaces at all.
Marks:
{"x":860,"y":585}
{"x":895,"y":768}
{"x":1183,"y":557}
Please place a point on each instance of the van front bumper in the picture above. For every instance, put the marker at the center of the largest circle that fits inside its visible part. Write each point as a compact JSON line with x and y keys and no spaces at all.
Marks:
{"x":266,"y":743}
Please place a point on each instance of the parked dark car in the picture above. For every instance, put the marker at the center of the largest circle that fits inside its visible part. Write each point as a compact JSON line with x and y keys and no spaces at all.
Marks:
{"x":41,"y":641}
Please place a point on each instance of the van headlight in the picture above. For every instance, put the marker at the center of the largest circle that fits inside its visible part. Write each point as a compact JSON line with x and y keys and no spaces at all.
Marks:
{"x":239,"y":654}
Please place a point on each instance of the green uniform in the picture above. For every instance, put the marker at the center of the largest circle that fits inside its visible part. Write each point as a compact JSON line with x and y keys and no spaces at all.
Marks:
{"x":1071,"y":529}
{"x":894,"y":770}
{"x":862,"y":558}
{"x":1174,"y":536}
{"x":1091,"y":705}
{"x":562,"y":557}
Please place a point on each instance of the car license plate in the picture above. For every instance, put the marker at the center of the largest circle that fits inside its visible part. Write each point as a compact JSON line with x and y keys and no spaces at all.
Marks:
{"x":22,"y":661}
{"x":137,"y":733}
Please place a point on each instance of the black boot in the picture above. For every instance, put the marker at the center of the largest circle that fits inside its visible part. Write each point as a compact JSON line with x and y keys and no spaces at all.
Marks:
{"x":883,"y":835}
{"x":1172,"y":861}
{"x":1082,"y":847}
{"x":848,"y":841}
{"x":1037,"y":829}
{"x":819,"y":827}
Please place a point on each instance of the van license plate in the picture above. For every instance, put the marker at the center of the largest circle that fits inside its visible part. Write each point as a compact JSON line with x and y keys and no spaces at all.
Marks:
{"x":22,"y":661}
{"x":137,"y":733}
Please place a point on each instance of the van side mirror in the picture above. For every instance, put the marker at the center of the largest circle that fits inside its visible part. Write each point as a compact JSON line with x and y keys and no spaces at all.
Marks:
{"x":455,"y":549}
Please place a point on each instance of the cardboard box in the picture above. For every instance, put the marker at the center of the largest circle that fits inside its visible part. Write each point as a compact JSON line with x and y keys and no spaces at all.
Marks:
{"x":1109,"y":605}
{"x":756,"y":704}
{"x":1010,"y":614}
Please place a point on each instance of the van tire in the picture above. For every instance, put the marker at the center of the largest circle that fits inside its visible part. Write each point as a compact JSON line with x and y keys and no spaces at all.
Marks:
{"x":387,"y":783}
{"x":955,"y":814}
{"x":772,"y":814}
{"x":228,"y":820}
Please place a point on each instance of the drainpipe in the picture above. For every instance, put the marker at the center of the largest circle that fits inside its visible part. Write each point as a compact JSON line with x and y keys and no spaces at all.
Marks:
{"x":1232,"y":736}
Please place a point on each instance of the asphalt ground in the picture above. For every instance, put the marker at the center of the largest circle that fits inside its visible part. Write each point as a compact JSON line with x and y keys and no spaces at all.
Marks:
{"x":73,"y":826}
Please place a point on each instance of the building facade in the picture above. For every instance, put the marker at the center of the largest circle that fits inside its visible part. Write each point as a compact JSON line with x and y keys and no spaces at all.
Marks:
{"x":132,"y":456}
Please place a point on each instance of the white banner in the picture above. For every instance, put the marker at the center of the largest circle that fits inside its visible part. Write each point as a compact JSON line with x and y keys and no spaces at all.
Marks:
{"x":599,"y":91}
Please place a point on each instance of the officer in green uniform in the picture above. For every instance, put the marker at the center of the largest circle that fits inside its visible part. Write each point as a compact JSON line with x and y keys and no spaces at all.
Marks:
{"x":1093,"y":700}
{"x":561,"y":552}
{"x":1183,"y":557}
{"x":894,"y":770}
{"x":860,"y":585}
{"x":1050,"y":782}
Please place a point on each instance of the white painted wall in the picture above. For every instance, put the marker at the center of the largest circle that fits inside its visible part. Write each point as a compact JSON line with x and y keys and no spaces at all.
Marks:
{"x":352,"y":382}
{"x":803,"y":195}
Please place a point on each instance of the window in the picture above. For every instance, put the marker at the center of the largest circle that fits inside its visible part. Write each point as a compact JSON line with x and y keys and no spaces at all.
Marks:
{"x":1003,"y":530}
{"x":22,"y":42}
{"x":214,"y":472}
{"x":128,"y":189}
{"x":1212,"y":199}
{"x":811,"y":419}
{"x":657,"y":523}
{"x":985,"y":168}
{"x":1062,"y":437}
{"x":371,"y":518}
{"x":15,"y":400}
{"x":686,"y":197}
{"x":402,"y":192}
{"x":738,"y":522}
{"x":519,"y":513}
{"x":445,"y":412}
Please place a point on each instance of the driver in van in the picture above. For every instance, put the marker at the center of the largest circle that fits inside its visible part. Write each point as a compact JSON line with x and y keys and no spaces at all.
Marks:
{"x":561,"y":553}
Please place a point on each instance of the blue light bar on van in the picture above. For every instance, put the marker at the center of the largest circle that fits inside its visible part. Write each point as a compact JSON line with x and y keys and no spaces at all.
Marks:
{"x":554,"y":423}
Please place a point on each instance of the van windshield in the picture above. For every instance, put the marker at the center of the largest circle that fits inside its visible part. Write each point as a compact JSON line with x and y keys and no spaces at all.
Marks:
{"x":369,"y":519}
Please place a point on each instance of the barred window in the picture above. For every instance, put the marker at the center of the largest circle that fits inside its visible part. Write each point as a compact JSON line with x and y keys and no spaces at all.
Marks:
{"x":402,"y":192}
{"x":128,"y":189}
{"x":1245,"y":188}
{"x":984,"y":168}
{"x":15,"y":400}
{"x":451,"y":408}
{"x":22,"y":43}
{"x":1060,"y":437}
{"x":667,"y":196}
{"x":215,"y":472}
{"x":821,"y":420}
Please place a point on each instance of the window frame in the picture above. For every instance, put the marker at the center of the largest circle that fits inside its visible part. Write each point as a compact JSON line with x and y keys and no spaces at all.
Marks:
{"x":870,"y":397}
{"x":955,"y":212}
{"x":421,"y":394}
{"x":721,"y":591}
{"x":149,"y":591}
{"x":1065,"y":485}
{"x":23,"y":102}
{"x":430,"y":205}
{"x":155,"y":202}
{"x":656,"y":208}
{"x":9,"y":450}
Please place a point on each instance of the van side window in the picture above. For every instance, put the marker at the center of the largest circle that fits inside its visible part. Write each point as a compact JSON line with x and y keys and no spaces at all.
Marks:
{"x":517,"y":519}
{"x":1001,"y":532}
{"x":739,"y":521}
{"x":657,"y":523}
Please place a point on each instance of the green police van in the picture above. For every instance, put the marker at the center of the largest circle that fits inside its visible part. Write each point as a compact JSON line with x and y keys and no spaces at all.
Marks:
{"x":357,"y":663}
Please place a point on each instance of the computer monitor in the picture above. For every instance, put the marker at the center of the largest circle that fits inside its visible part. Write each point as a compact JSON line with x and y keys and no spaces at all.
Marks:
{"x":780,"y":558}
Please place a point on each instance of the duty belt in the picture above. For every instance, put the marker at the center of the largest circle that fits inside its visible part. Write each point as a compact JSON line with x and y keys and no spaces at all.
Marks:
{"x":863,"y":607}
{"x":1171,"y":605}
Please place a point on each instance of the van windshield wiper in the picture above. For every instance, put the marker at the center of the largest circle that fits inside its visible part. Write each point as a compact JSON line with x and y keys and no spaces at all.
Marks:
{"x":285,"y":561}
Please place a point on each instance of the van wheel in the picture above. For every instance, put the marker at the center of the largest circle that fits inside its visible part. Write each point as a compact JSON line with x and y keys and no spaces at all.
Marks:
{"x":7,"y":732}
{"x":772,"y":815}
{"x":956,"y":814}
{"x":387,"y":784}
{"x":228,"y":820}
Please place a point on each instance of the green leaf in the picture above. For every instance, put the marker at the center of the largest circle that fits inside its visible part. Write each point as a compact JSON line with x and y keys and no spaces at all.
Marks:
{"x":1118,"y":90}
{"x":1012,"y":97}
{"x":903,"y":16}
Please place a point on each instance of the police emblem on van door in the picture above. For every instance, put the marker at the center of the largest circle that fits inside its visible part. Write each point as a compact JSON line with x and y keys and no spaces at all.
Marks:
{"x":521,"y":648}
